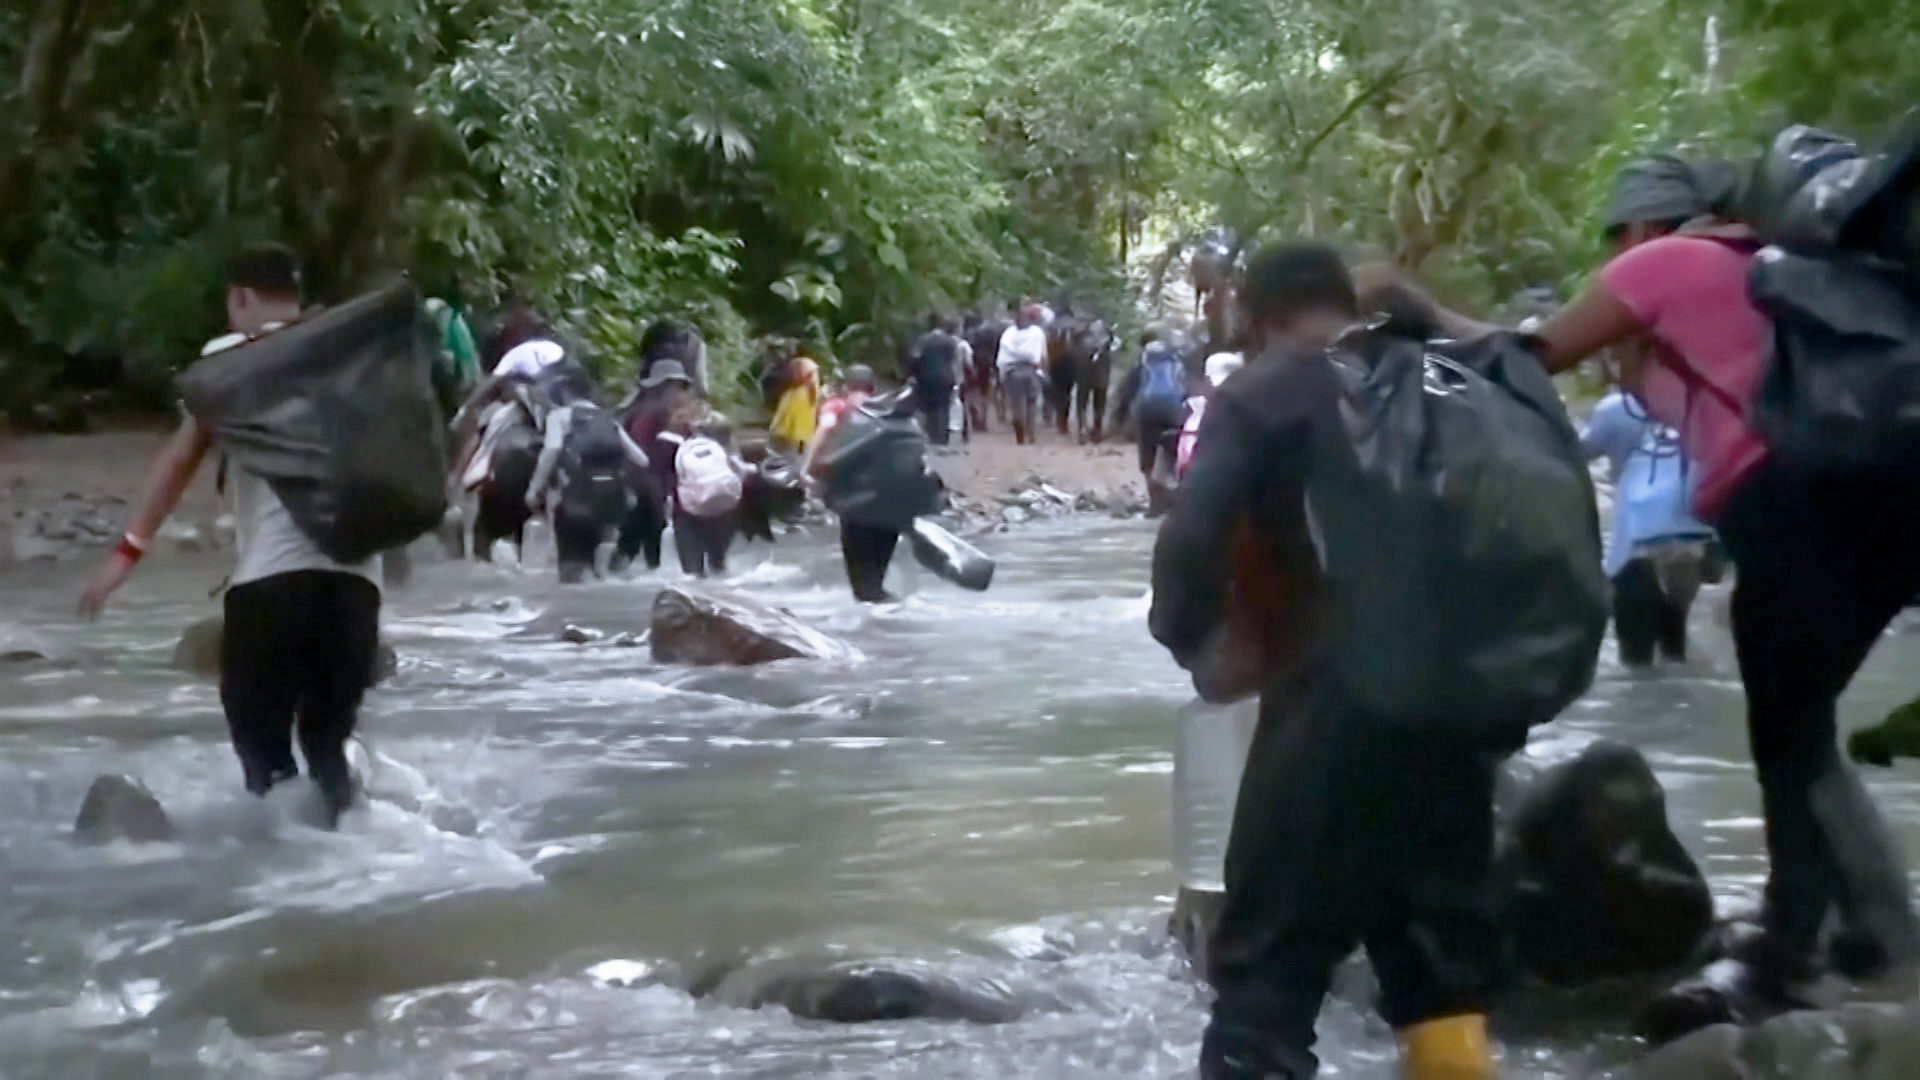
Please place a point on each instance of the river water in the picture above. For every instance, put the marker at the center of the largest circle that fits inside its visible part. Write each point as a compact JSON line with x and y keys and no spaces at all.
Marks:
{"x":573,"y":835}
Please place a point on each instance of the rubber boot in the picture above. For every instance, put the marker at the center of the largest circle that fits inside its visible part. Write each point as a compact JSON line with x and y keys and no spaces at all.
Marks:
{"x":1454,"y":1048}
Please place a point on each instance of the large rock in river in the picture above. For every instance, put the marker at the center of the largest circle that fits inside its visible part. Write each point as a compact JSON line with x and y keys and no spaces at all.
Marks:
{"x":1855,"y":1042}
{"x":705,"y":628}
{"x":121,"y":808}
{"x":1593,"y":884}
{"x":198,"y":651}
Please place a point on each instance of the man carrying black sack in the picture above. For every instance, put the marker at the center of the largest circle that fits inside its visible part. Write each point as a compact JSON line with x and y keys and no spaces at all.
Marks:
{"x":1352,"y":828}
{"x":302,"y":630}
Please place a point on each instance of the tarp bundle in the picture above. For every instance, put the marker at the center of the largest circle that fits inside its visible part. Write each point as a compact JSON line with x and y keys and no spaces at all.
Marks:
{"x":1459,"y":538}
{"x":338,"y":414}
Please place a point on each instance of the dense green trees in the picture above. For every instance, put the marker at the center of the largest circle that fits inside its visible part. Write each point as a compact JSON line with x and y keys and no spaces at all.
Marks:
{"x":826,"y":168}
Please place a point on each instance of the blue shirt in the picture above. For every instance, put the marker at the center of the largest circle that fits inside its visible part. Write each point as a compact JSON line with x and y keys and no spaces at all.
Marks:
{"x":1651,"y":480}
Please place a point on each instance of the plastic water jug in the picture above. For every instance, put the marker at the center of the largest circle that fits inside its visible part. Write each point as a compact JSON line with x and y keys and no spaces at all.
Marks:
{"x":1209,"y":754}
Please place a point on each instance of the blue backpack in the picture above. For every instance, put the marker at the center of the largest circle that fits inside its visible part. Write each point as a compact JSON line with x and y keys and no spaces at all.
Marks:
{"x":1164,"y":377}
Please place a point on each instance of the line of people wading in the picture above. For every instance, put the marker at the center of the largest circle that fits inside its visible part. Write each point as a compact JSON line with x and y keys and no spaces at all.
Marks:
{"x":1385,"y":529}
{"x":331,"y":433}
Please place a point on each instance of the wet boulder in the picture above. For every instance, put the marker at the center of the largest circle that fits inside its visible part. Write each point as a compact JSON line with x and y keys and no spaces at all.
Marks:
{"x":1592,"y":882}
{"x":1895,"y":737}
{"x":1855,"y":1042}
{"x":121,"y":808}
{"x":863,"y":992}
{"x":705,"y":628}
{"x":198,"y":651}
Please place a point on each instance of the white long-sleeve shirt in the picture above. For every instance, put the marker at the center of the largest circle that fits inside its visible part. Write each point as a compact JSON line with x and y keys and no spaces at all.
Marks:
{"x":1018,"y":346}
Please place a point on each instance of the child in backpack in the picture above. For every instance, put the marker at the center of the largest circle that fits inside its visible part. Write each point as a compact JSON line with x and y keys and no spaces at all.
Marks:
{"x":711,"y":478}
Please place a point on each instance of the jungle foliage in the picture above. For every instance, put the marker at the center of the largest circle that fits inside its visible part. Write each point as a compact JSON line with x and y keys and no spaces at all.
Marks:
{"x":827,"y":169}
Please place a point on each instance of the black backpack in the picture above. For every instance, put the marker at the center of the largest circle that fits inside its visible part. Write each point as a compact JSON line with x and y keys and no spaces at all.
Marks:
{"x":876,"y":469}
{"x":933,"y":358}
{"x":1459,"y":537}
{"x":1842,"y":388}
{"x":338,"y":414}
{"x":595,"y":462}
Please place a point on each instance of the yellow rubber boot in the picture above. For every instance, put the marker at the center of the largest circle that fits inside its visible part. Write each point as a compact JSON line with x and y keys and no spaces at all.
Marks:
{"x":1454,"y":1048}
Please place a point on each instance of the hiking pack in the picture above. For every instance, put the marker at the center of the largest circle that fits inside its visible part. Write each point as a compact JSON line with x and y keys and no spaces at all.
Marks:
{"x":1837,"y":277}
{"x":706,"y":481}
{"x":876,"y":469}
{"x":338,"y":413}
{"x":594,"y":462}
{"x":934,"y":357}
{"x":1458,"y":536}
{"x":1163,"y":377}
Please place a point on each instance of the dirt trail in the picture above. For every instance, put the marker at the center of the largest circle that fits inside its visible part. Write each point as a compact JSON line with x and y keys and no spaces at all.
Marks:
{"x":63,"y":494}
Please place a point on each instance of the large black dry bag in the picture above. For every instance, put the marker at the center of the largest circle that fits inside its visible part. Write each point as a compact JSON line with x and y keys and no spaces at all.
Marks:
{"x":876,"y":470}
{"x":1842,"y":387}
{"x":338,"y":414}
{"x":1459,"y":537}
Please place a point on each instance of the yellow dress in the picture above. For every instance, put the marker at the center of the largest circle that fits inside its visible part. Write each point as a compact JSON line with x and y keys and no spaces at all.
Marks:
{"x":799,"y":408}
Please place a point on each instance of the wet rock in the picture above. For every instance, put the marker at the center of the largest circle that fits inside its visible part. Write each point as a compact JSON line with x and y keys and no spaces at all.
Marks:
{"x":31,"y":547}
{"x":121,"y":808}
{"x":860,"y":993}
{"x":22,"y":657}
{"x":579,"y":635}
{"x":1895,"y":737}
{"x":1709,"y":1054}
{"x":1015,"y":515}
{"x":1593,"y":884}
{"x":1857,"y":1042}
{"x":706,"y":628}
{"x":198,"y":652}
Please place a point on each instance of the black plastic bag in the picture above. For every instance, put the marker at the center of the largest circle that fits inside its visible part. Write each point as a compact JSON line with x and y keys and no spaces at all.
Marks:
{"x":952,"y":558}
{"x":338,"y":414}
{"x":1459,"y":538}
{"x":876,"y":470}
{"x":1842,"y":390}
{"x":1817,"y":193}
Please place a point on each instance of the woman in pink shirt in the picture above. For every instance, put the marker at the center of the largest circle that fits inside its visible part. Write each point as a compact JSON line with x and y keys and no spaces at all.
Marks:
{"x":1823,"y":565}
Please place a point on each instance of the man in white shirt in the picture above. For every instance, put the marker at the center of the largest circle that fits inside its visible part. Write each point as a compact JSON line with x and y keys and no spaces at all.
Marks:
{"x":1023,"y":354}
{"x":302,"y":631}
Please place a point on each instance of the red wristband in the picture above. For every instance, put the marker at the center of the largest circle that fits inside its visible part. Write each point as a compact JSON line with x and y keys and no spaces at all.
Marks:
{"x":130,"y":548}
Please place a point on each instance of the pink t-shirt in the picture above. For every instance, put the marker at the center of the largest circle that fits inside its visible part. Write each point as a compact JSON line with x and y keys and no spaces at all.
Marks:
{"x":1710,"y":348}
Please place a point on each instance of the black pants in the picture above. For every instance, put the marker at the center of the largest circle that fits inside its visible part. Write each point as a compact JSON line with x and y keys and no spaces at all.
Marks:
{"x":703,"y":542}
{"x":1823,"y":565}
{"x":640,"y":533}
{"x":936,"y":409}
{"x":1348,"y":832}
{"x":1646,"y":618}
{"x":576,"y":540}
{"x":869,"y":551}
{"x":1158,"y":424}
{"x":296,"y":656}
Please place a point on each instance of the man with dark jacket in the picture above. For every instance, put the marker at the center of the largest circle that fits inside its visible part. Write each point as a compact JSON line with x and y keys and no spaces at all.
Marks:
{"x":1351,"y":829}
